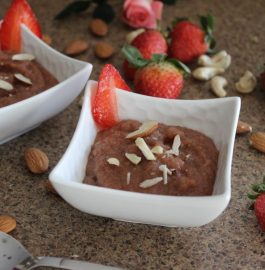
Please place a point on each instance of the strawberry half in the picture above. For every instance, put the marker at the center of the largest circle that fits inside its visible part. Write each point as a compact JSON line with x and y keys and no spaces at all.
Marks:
{"x":259,"y":203}
{"x":18,"y":13}
{"x":104,"y":107}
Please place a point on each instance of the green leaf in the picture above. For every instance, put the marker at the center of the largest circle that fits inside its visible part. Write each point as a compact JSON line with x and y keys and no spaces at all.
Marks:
{"x":104,"y":11}
{"x":158,"y":57}
{"x":134,"y":56}
{"x":180,"y":66}
{"x":169,"y":2}
{"x":259,"y":188}
{"x":252,"y":196}
{"x":74,"y":7}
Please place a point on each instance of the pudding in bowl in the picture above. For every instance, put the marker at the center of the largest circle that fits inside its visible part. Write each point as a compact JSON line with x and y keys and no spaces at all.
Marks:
{"x":153,"y":158}
{"x":21,"y":77}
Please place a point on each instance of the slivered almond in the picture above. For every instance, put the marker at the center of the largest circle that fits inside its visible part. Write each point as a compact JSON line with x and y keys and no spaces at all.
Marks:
{"x":163,"y":168}
{"x":133,"y":158}
{"x":150,"y":182}
{"x":23,"y":57}
{"x":145,"y":129}
{"x":7,"y":224}
{"x":128,"y":179}
{"x":6,"y":85}
{"x":243,"y":127}
{"x":157,"y":149}
{"x":141,"y":144}
{"x":176,"y":144}
{"x":257,"y":140}
{"x":23,"y":78}
{"x":113,"y":161}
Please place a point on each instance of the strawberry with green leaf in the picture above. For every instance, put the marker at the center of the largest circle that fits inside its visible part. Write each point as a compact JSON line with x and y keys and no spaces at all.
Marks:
{"x":157,"y":76}
{"x":189,"y":41}
{"x":259,"y":203}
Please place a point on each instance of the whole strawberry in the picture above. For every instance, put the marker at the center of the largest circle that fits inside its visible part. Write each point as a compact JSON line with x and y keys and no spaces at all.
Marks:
{"x":259,"y":204}
{"x":148,"y":43}
{"x":156,"y":77}
{"x":189,"y":41}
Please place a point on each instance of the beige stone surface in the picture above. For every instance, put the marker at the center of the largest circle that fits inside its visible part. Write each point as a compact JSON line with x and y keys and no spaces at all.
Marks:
{"x":47,"y":225}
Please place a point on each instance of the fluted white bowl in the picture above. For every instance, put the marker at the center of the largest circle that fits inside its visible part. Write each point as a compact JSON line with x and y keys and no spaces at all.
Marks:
{"x":216,"y":118}
{"x":72,"y":75}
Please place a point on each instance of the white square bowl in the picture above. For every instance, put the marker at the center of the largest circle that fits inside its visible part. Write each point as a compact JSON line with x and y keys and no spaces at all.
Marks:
{"x":72,"y":75}
{"x":216,"y":118}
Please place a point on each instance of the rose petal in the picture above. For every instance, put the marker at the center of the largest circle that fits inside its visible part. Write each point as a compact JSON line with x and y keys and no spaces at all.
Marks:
{"x":157,"y":8}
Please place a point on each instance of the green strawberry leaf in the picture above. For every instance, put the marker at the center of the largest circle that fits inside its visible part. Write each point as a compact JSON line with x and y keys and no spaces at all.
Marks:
{"x":74,"y":7}
{"x":259,"y":188}
{"x":207,"y":23}
{"x":180,"y":66}
{"x":134,"y":56}
{"x":158,"y":57}
{"x":252,"y":196}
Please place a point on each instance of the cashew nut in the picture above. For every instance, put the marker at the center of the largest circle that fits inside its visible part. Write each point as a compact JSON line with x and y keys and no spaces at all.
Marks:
{"x":217,"y":85}
{"x":220,"y":60}
{"x":133,"y":34}
{"x":246,"y":83}
{"x":206,"y":73}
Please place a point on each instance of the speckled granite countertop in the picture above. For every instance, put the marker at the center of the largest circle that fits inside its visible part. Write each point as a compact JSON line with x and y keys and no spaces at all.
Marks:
{"x":47,"y":225}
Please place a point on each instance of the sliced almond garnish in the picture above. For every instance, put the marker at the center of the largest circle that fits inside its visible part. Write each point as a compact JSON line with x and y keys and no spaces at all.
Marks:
{"x":145,"y":129}
{"x":141,"y":144}
{"x":150,"y":182}
{"x":7,"y":223}
{"x":23,"y":78}
{"x":133,"y":158}
{"x":23,"y":57}
{"x":165,"y":171}
{"x":128,"y":179}
{"x":6,"y":85}
{"x":175,"y":146}
{"x":113,"y":161}
{"x":157,"y":149}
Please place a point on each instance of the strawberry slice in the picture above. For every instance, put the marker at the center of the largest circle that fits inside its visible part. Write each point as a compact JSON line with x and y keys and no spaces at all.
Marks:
{"x":104,"y":107}
{"x":19,"y":12}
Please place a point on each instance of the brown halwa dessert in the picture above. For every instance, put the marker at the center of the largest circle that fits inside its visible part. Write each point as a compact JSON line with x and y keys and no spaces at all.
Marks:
{"x":21,"y":79}
{"x":169,"y":160}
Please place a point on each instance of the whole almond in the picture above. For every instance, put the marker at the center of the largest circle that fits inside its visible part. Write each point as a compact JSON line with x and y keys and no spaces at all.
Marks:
{"x":243,"y":127}
{"x":98,"y":27}
{"x":76,"y":47}
{"x":7,"y":224}
{"x":104,"y":50}
{"x":257,"y":140}
{"x":47,"y":39}
{"x":36,"y":160}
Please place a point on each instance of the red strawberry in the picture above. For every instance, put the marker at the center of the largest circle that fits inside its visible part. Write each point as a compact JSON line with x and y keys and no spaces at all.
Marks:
{"x":259,"y":204}
{"x":161,"y":79}
{"x":188,"y":40}
{"x":104,"y":107}
{"x":156,"y":77}
{"x":148,"y":43}
{"x":19,"y":12}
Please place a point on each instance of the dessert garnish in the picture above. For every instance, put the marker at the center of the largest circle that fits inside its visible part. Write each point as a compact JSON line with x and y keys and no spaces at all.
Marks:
{"x":128,"y":179}
{"x":18,"y":13}
{"x":150,"y":182}
{"x":133,"y":158}
{"x":6,"y":85}
{"x":145,"y":129}
{"x":166,"y":171}
{"x":157,"y":149}
{"x":113,"y":161}
{"x":23,"y":78}
{"x":104,"y":107}
{"x":23,"y":57}
{"x":141,"y":144}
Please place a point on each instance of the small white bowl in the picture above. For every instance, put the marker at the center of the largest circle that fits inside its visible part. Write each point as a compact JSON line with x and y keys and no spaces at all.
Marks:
{"x":216,"y":118}
{"x":72,"y":75}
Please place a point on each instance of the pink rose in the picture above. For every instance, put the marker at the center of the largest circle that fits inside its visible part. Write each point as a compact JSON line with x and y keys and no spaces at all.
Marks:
{"x":142,"y":13}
